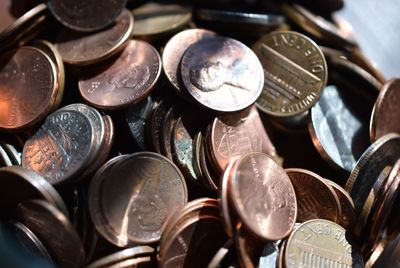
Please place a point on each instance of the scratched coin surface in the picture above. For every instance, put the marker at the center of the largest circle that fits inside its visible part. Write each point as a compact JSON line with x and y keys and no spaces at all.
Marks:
{"x":61,"y":147}
{"x":125,"y":80}
{"x":88,"y":48}
{"x":295,"y":73}
{"x":132,"y":196}
{"x":28,"y":87}
{"x":321,"y":243}
{"x":222,"y":74}
{"x":86,"y":16}
{"x":263,"y":196}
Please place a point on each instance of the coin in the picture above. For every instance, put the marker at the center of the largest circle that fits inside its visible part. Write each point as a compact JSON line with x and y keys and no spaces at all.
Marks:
{"x":143,"y":262}
{"x":224,"y":256}
{"x":61,"y":148}
{"x":295,"y":73}
{"x":222,"y":74}
{"x":263,"y":195}
{"x":23,"y":71}
{"x":207,"y":175}
{"x":150,"y":190}
{"x":383,"y":118}
{"x":5,"y":160}
{"x":86,"y":16}
{"x":153,"y":129}
{"x":321,"y":243}
{"x":54,"y":230}
{"x":167,"y":130}
{"x":90,"y":48}
{"x":121,"y":256}
{"x":315,"y":198}
{"x":12,"y":153}
{"x":125,"y":81}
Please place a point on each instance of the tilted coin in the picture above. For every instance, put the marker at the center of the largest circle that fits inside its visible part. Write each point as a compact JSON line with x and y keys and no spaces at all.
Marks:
{"x":222,"y":74}
{"x":5,"y":160}
{"x":28,"y":87}
{"x":210,"y":178}
{"x":142,"y":262}
{"x":224,"y":256}
{"x":126,"y":80}
{"x":153,"y":128}
{"x":12,"y":153}
{"x":295,"y":73}
{"x":89,"y":48}
{"x":121,"y":256}
{"x":167,"y":129}
{"x":86,"y":16}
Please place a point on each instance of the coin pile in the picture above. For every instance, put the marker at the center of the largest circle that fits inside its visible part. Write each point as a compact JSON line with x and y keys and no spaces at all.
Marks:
{"x":162,"y":135}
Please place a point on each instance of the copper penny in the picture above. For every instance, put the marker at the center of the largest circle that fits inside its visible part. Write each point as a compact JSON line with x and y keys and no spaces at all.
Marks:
{"x":150,"y":189}
{"x":236,"y":134}
{"x":167,"y":129}
{"x":124,"y":81}
{"x":222,"y":74}
{"x":28,"y":87}
{"x":384,"y":118}
{"x":86,"y":16}
{"x":121,"y":256}
{"x":295,"y":73}
{"x":263,"y":196}
{"x":153,"y":128}
{"x":89,"y":48}
{"x":315,"y":198}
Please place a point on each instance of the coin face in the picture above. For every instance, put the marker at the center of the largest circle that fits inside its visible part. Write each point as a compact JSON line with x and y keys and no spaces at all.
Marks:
{"x":86,"y":16}
{"x":61,"y":147}
{"x":320,"y":243}
{"x":263,"y":196}
{"x":222,"y":74}
{"x":88,"y":48}
{"x":23,"y":71}
{"x":295,"y":73}
{"x":126,"y":80}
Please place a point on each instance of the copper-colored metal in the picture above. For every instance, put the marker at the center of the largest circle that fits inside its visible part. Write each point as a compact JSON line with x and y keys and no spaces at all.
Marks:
{"x":122,"y":255}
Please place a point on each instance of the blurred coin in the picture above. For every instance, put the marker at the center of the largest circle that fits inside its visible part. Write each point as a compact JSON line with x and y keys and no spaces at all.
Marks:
{"x":137,"y":262}
{"x":166,"y":132}
{"x":11,"y":152}
{"x":295,"y":73}
{"x":89,"y":48}
{"x":153,"y":128}
{"x":122,"y":255}
{"x":123,"y":81}
{"x":5,"y":160}
{"x":209,"y":178}
{"x":86,"y":16}
{"x":225,"y":257}
{"x":222,"y":74}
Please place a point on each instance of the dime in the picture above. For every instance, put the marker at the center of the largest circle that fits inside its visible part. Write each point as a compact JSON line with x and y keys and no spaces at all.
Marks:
{"x":121,"y":256}
{"x":222,"y":74}
{"x":295,"y":73}
{"x":125,"y":81}
{"x":263,"y":196}
{"x":86,"y":16}
{"x":89,"y":48}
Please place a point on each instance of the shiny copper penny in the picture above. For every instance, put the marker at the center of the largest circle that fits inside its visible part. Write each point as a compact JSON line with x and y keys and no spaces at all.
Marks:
{"x":86,"y":16}
{"x":150,"y":189}
{"x":89,"y":48}
{"x":295,"y":73}
{"x":315,"y":198}
{"x":384,"y":118}
{"x":125,"y":80}
{"x":236,"y":134}
{"x":28,"y":87}
{"x":222,"y":74}
{"x":263,"y":196}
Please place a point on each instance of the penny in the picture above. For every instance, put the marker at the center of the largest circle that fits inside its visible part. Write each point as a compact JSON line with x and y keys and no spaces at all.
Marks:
{"x":121,"y":256}
{"x":383,"y":118}
{"x":150,"y":190}
{"x":315,"y":198}
{"x":54,"y":230}
{"x":197,"y":147}
{"x":87,"y":16}
{"x":321,"y":243}
{"x":236,"y":134}
{"x":295,"y":73}
{"x":385,"y":254}
{"x":263,"y":195}
{"x":90,"y":48}
{"x":126,"y":80}
{"x":153,"y":129}
{"x":357,"y":56}
{"x":207,"y":175}
{"x":61,"y":148}
{"x":222,"y":74}
{"x":174,"y":50}
{"x":23,"y":71}
{"x":167,"y":130}
{"x":225,"y":257}
{"x":143,"y":262}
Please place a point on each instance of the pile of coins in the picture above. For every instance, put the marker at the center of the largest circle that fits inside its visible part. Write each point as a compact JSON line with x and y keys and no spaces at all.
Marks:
{"x":169,"y":135}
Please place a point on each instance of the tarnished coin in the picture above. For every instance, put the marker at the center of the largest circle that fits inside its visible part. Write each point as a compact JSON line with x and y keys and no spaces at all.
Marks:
{"x":321,"y":243}
{"x":263,"y":196}
{"x":124,"y":81}
{"x":122,"y":255}
{"x":89,"y":48}
{"x":150,"y":189}
{"x":315,"y":198}
{"x":384,"y":118}
{"x":86,"y":16}
{"x":222,"y":74}
{"x":28,"y":87}
{"x":295,"y":73}
{"x":61,"y":148}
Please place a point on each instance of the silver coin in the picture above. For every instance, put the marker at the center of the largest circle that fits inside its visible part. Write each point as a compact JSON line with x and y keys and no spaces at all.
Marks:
{"x":121,"y":256}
